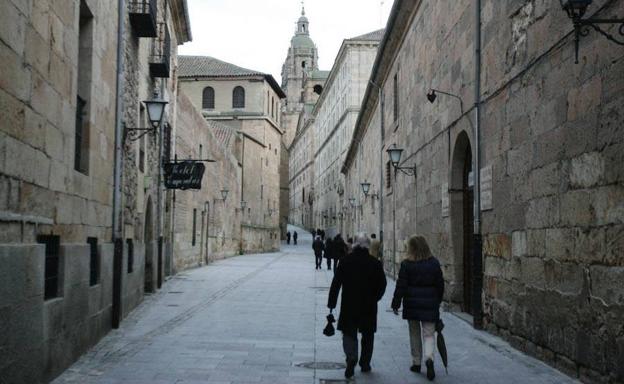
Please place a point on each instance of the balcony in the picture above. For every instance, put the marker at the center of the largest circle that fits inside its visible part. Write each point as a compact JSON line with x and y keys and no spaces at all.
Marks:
{"x":160,"y":59}
{"x":143,"y":17}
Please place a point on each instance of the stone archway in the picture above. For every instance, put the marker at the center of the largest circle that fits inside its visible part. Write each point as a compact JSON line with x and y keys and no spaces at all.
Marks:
{"x":148,"y":238}
{"x":462,"y":223}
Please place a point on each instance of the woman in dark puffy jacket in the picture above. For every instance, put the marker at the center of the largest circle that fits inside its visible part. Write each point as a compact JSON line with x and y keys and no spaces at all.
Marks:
{"x":420,"y":287}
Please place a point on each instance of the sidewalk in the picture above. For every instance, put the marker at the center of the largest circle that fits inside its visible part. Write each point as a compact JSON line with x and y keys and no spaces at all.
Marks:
{"x":257,"y":318}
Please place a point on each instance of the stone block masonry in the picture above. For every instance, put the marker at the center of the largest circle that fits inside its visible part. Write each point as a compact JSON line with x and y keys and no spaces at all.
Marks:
{"x":552,"y":228}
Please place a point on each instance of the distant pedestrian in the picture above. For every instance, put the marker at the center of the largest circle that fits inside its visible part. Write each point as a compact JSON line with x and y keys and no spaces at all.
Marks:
{"x":318,"y":247}
{"x":420,"y":287}
{"x":329,"y":252}
{"x":288,"y":237}
{"x":295,"y":235}
{"x":375,"y":247}
{"x":363,"y":283}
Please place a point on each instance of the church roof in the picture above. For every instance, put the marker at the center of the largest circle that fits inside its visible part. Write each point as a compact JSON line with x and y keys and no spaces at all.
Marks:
{"x":374,"y":36}
{"x":302,"y":41}
{"x":206,"y":66}
{"x":318,"y":74}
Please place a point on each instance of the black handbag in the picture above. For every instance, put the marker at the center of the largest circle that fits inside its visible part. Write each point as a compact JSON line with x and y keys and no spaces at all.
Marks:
{"x":329,"y":328}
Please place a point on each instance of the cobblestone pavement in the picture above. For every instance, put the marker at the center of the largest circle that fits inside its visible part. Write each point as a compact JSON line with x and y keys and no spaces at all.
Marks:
{"x":257,"y":318}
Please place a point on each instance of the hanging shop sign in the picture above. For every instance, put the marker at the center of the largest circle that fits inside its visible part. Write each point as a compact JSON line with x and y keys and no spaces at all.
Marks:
{"x":184,"y":175}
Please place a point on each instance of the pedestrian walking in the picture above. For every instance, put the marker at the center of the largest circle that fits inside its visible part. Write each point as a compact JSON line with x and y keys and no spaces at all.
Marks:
{"x":420,"y":288}
{"x":295,"y":235}
{"x":288,"y":237}
{"x":375,"y":247}
{"x":349,"y":245}
{"x":329,"y":252}
{"x":340,"y":250}
{"x":363,"y":283}
{"x":318,"y":247}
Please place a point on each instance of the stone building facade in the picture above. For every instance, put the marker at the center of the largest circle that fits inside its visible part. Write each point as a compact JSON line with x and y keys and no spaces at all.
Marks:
{"x":302,"y":149}
{"x":334,"y":117}
{"x":59,"y":290}
{"x":206,"y":228}
{"x":549,"y":145}
{"x":248,"y":102}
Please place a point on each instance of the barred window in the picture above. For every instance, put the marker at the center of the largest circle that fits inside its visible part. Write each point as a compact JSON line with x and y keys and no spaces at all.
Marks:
{"x":208,"y":98}
{"x":396,"y":96}
{"x":389,"y":175}
{"x":238,"y":97}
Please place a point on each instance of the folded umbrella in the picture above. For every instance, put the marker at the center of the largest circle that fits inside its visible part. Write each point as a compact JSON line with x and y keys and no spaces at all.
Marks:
{"x":442,"y":344}
{"x":329,"y":328}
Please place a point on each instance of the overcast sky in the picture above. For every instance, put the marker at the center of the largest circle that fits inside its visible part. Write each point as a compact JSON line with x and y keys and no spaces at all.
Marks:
{"x":256,"y":34}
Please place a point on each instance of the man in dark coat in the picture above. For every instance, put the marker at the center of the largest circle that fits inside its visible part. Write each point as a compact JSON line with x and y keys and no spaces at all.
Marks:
{"x":318,"y":247}
{"x":295,"y":235}
{"x":329,"y":252}
{"x":288,"y":237}
{"x":363,"y":284}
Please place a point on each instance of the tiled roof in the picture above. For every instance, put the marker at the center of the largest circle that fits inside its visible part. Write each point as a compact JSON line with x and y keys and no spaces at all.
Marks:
{"x":222,"y":132}
{"x":206,"y":66}
{"x":375,"y":35}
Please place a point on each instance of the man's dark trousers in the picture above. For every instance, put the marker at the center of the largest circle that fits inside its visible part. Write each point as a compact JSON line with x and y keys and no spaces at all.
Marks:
{"x":350,"y":346}
{"x":319,"y":260}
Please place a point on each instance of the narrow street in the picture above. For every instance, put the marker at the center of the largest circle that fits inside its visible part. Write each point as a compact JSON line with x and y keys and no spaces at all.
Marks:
{"x":259,"y":318}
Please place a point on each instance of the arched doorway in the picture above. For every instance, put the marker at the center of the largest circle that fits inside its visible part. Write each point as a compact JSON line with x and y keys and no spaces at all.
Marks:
{"x":462,"y":221}
{"x":148,"y":238}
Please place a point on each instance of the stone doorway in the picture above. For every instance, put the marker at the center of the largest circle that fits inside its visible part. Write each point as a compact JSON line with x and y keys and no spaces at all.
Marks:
{"x":462,"y":221}
{"x":148,"y":238}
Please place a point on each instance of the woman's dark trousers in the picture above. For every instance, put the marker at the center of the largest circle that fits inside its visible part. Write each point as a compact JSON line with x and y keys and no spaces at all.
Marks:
{"x":319,"y":260}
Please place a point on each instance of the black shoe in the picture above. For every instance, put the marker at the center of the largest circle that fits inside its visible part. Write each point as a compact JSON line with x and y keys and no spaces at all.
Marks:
{"x":350,"y":370}
{"x":415,"y":368}
{"x":430,"y":371}
{"x":365,"y":368}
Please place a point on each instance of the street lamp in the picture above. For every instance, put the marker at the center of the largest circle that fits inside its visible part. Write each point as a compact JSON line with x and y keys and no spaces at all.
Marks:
{"x":576,"y":9}
{"x":395,"y":158}
{"x":224,"y":194}
{"x":365,"y":187}
{"x":155,"y":114}
{"x":352,"y":202}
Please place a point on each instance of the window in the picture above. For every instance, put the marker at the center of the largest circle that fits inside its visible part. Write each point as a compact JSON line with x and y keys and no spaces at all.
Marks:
{"x":167,"y":143}
{"x":194,"y":234}
{"x":130,"y":244}
{"x":85,"y":58}
{"x":208,"y":98}
{"x":94,"y":264}
{"x":396,"y":97}
{"x":238,"y":97}
{"x":303,"y":64}
{"x":52,"y":265}
{"x":272,"y":107}
{"x":388,"y":175}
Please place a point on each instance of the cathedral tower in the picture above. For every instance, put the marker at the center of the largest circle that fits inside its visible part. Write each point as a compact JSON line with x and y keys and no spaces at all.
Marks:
{"x":301,"y":60}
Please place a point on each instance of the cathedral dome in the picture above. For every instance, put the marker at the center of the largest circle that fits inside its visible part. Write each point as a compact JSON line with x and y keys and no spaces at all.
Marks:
{"x":302,"y":41}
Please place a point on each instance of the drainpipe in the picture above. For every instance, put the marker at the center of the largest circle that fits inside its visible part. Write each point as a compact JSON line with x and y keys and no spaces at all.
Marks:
{"x":477,"y":272}
{"x":117,"y":175}
{"x":159,"y":210}
{"x":381,"y":171}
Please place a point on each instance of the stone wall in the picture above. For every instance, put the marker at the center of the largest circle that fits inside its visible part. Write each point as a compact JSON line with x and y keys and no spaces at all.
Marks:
{"x":552,"y":173}
{"x":217,"y":223}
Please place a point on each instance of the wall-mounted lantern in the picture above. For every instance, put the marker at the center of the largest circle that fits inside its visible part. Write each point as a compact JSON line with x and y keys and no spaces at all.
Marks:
{"x":155,"y":113}
{"x":576,"y":9}
{"x":352,"y":202}
{"x":395,"y":158}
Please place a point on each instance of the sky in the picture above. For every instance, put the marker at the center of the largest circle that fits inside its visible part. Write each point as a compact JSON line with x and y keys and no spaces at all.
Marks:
{"x":255,"y":34}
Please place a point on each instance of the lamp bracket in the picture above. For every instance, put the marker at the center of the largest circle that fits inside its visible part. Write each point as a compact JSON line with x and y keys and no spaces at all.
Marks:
{"x":134,"y":134}
{"x":581,"y":29}
{"x":409,"y":171}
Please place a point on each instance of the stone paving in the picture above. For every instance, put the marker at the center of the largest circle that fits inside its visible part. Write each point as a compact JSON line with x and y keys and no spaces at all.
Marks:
{"x":257,"y":318}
